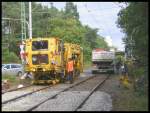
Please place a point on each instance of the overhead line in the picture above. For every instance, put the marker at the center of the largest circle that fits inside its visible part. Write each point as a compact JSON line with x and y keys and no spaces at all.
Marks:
{"x":101,"y":27}
{"x":91,"y":14}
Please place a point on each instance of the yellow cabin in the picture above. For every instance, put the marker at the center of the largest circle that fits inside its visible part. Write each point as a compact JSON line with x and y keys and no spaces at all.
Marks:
{"x":75,"y":52}
{"x":46,"y":59}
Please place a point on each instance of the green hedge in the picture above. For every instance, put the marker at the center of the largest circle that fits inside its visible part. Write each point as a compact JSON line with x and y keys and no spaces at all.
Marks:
{"x":10,"y":57}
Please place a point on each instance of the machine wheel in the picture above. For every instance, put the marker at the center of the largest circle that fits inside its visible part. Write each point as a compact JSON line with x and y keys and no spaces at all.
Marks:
{"x":62,"y":77}
{"x":19,"y":74}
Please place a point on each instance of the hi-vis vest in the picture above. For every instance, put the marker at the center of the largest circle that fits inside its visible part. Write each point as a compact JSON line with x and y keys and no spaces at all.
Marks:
{"x":70,"y":66}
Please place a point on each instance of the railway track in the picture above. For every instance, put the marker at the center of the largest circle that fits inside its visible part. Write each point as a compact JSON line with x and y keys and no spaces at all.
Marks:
{"x":80,"y":105}
{"x":15,"y":89}
{"x":55,"y":95}
{"x":91,"y":92}
{"x":26,"y":94}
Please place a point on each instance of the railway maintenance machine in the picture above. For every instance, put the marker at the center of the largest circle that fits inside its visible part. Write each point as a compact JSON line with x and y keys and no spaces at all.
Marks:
{"x":46,"y":59}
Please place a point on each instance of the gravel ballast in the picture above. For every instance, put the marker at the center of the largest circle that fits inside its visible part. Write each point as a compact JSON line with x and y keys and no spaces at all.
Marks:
{"x":27,"y":102}
{"x":98,"y":101}
{"x":68,"y":101}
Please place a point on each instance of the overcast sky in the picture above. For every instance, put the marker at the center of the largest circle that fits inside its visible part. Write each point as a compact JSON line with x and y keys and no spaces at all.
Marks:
{"x":101,"y":15}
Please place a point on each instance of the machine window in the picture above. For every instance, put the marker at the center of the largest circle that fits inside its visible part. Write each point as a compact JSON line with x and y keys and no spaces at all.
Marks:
{"x":39,"y":45}
{"x":39,"y":59}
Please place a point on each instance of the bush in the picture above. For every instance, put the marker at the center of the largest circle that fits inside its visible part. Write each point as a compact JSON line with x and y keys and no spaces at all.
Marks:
{"x":139,"y":76}
{"x":10,"y":57}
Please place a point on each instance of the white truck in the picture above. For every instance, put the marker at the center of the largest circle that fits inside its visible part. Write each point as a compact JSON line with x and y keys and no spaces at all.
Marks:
{"x":103,"y":61}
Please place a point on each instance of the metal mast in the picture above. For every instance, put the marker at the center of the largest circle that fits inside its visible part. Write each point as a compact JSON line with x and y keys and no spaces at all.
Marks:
{"x":30,"y":21}
{"x":23,"y":22}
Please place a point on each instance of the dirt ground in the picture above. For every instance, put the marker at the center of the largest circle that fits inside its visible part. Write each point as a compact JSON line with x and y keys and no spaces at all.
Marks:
{"x":124,"y":99}
{"x":14,"y":84}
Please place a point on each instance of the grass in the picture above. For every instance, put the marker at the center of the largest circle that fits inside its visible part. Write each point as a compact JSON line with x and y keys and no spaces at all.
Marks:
{"x":129,"y":100}
{"x":15,"y":81}
{"x":9,"y":78}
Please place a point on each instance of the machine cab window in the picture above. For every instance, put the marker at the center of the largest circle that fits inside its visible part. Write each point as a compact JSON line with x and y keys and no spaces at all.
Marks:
{"x":39,"y":45}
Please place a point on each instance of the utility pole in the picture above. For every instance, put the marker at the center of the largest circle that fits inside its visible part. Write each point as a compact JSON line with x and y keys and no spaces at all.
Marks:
{"x":30,"y":21}
{"x":12,"y":19}
{"x":23,"y":21}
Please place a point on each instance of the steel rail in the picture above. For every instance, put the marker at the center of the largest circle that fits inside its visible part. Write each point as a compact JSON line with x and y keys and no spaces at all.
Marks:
{"x":91,"y":92}
{"x":10,"y":100}
{"x":4,"y":102}
{"x":15,"y":89}
{"x":53,"y":96}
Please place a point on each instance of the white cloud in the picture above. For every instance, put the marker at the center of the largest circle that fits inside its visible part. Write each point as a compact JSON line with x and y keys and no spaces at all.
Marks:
{"x":108,"y":40}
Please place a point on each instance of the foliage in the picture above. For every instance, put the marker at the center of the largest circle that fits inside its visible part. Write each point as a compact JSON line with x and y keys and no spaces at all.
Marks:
{"x":50,"y":22}
{"x":139,"y":76}
{"x":133,"y":20}
{"x":100,"y":42}
{"x":67,"y":29}
{"x":119,"y":59}
{"x":8,"y":57}
{"x":71,"y":11}
{"x":128,"y":100}
{"x":91,"y":36}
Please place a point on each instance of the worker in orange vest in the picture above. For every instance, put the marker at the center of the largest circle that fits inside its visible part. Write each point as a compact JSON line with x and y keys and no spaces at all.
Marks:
{"x":70,"y":69}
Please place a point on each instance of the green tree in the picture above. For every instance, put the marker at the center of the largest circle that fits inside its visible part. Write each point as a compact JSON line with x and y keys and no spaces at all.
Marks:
{"x":49,"y":22}
{"x":71,"y":11}
{"x":100,"y":43}
{"x":133,"y":20}
{"x":91,"y":36}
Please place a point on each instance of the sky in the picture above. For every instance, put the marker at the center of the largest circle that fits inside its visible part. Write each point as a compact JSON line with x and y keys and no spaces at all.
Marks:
{"x":101,"y":15}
